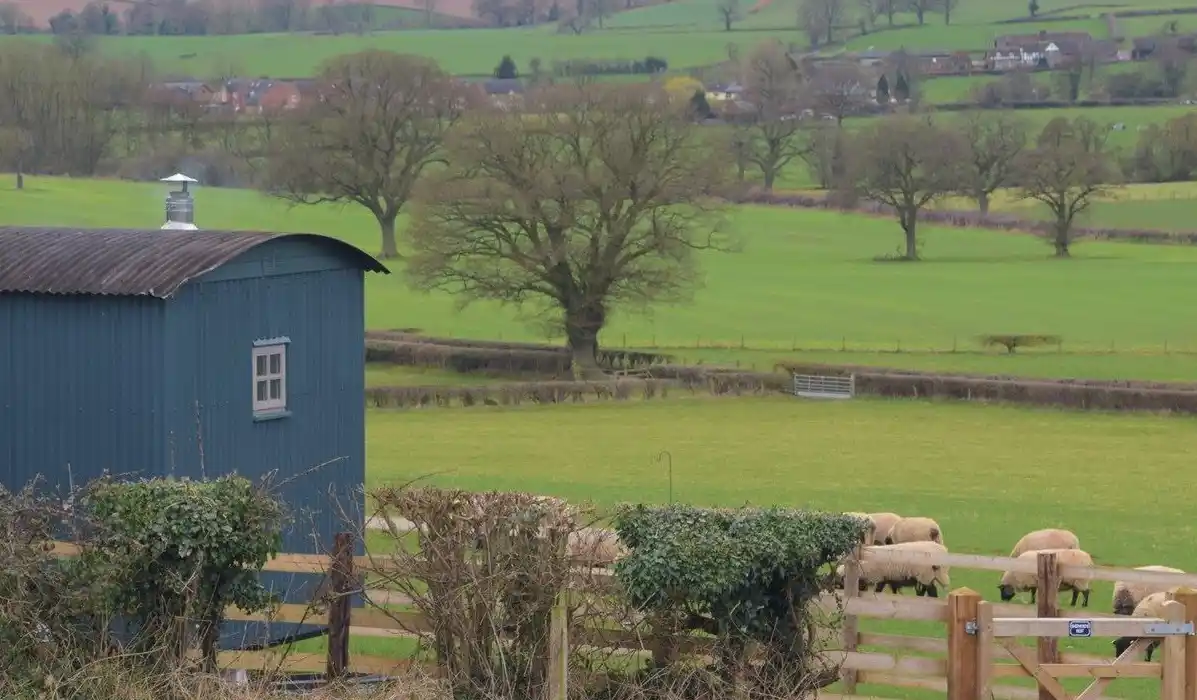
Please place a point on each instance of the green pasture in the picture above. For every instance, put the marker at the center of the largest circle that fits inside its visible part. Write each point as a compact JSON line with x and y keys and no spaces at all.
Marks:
{"x":987,"y":474}
{"x":805,"y":279}
{"x":461,"y":51}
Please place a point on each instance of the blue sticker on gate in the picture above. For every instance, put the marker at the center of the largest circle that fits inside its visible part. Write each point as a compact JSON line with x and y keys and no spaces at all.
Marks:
{"x":1080,"y":628}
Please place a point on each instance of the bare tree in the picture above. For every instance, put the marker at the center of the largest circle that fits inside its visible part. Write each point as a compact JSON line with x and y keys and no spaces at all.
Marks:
{"x":920,"y":8}
{"x":993,"y":142}
{"x":888,"y":8}
{"x":774,"y":136}
{"x":826,"y":156}
{"x":1066,"y":170}
{"x":729,"y":11}
{"x":838,"y":89}
{"x":948,"y":6}
{"x":906,"y":163}
{"x":14,"y":20}
{"x":823,"y":16}
{"x":382,"y":121}
{"x":600,"y":199}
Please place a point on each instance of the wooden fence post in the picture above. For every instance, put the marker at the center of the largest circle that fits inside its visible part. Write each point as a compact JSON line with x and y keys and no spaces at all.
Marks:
{"x":559,"y":650}
{"x":340,"y":575}
{"x":1172,"y":660}
{"x":851,"y":626}
{"x":1047,"y":597}
{"x":1188,"y":598}
{"x":962,"y":646}
{"x":984,"y":650}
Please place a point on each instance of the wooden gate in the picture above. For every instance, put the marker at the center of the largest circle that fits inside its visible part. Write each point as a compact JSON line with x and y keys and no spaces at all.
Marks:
{"x":1173,"y":629}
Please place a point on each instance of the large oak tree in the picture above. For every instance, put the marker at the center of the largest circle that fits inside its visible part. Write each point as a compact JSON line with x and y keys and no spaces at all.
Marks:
{"x":906,"y":163}
{"x":1066,"y":171}
{"x":600,"y":197}
{"x":379,"y":125}
{"x":772,"y":136}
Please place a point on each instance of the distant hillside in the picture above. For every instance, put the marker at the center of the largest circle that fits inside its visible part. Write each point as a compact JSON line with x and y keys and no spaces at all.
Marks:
{"x":42,"y":10}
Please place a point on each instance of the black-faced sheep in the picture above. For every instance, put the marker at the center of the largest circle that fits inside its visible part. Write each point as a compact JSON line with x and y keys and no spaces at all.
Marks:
{"x":1127,"y":595}
{"x":1050,"y":538}
{"x":914,"y":530}
{"x":1014,"y":582}
{"x":899,"y":575}
{"x":1150,"y":606}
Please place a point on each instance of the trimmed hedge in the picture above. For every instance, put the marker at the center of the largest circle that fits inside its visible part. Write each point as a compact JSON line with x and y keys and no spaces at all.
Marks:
{"x":558,"y":392}
{"x":1115,"y":395}
{"x":969,"y":219}
{"x":405,"y":348}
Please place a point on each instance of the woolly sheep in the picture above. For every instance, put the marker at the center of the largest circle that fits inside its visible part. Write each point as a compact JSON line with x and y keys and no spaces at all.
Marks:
{"x":870,"y":535}
{"x":899,"y":575}
{"x":915,"y":530}
{"x":1151,"y":606}
{"x":1013,"y":582}
{"x":1127,"y":595}
{"x":1050,"y":538}
{"x":598,"y":545}
{"x":882,"y":524}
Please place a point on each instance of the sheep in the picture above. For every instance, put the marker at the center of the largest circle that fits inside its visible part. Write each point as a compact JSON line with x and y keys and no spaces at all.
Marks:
{"x":1050,"y":538}
{"x":915,"y":530}
{"x":1013,"y":582}
{"x":899,"y":575}
{"x":1151,"y":606}
{"x":1128,"y":595}
{"x":882,"y":524}
{"x":870,"y":534}
{"x":601,"y":547}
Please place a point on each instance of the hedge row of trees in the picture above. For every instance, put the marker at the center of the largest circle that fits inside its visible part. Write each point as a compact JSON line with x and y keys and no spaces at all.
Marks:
{"x":200,"y":17}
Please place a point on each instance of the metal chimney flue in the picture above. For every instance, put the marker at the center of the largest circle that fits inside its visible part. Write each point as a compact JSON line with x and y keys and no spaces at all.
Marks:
{"x":180,"y":207}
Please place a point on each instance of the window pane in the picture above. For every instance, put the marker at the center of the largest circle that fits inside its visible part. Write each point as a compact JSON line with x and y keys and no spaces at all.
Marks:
{"x":276,"y":389}
{"x":276,"y":362}
{"x":260,"y":394}
{"x":260,"y":365}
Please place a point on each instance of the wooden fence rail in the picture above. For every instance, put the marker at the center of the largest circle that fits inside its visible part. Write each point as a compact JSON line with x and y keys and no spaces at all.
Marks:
{"x":972,"y":660}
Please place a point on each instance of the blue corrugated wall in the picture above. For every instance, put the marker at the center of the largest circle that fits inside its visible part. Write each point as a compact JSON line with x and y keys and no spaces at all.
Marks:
{"x":291,"y":289}
{"x":136,"y":384}
{"x":80,"y":388}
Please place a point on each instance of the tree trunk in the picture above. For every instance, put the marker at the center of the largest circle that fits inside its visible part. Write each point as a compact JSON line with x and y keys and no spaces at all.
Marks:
{"x":919,"y":12}
{"x":582,"y":326}
{"x":727,"y":21}
{"x":386,"y":225}
{"x":983,"y":202}
{"x":910,"y":228}
{"x":1061,"y":241}
{"x":20,"y":179}
{"x":770,"y":176}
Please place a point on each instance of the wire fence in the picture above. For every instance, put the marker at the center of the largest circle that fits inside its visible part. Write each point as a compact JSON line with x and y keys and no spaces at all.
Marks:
{"x":957,"y":345}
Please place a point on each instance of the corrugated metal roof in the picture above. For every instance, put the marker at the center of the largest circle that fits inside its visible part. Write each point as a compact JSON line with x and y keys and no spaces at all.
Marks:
{"x":128,"y":262}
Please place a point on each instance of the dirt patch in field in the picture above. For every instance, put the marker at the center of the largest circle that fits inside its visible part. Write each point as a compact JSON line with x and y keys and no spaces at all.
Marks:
{"x":42,"y":10}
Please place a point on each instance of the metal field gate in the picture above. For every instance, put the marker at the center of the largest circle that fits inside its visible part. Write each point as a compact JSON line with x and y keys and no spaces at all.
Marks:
{"x":814,"y":386}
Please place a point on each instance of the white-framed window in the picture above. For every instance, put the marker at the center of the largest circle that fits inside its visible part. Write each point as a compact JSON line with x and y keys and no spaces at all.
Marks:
{"x":270,"y":378}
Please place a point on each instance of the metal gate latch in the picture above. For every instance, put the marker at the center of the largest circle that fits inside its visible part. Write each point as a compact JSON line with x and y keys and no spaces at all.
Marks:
{"x":1169,"y":629}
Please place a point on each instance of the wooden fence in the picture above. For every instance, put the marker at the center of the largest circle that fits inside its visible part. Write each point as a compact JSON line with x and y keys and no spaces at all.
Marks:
{"x":972,"y":659}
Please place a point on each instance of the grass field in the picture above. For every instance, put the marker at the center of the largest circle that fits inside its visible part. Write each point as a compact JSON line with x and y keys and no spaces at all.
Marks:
{"x":1093,"y":473}
{"x":805,"y":278}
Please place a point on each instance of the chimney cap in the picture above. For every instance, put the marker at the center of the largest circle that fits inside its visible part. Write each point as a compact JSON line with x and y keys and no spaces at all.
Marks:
{"x":178,"y":177}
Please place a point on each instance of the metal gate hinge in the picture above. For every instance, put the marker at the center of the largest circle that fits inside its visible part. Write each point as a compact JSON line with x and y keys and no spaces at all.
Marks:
{"x":970,"y":626}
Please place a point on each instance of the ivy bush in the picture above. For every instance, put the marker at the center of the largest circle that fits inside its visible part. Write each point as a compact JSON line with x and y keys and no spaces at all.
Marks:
{"x":165,"y":550}
{"x":746,"y":576}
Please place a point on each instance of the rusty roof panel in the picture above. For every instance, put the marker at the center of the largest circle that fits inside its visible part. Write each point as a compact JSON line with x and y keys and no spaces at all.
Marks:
{"x":127,"y":262}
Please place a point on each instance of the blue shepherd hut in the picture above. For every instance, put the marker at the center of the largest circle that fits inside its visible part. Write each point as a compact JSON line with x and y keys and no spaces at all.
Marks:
{"x":188,"y":353}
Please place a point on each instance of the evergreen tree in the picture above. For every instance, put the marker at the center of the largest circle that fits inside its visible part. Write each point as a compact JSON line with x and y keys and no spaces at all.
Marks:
{"x":883,"y":90}
{"x":506,"y":69}
{"x":699,"y":105}
{"x":902,"y":88}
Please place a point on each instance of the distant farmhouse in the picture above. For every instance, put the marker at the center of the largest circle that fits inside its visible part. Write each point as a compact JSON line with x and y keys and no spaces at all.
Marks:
{"x":186,"y":353}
